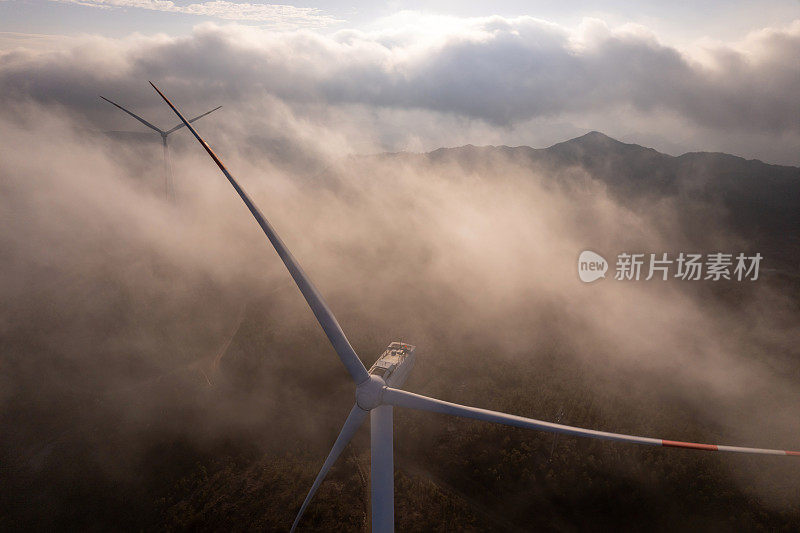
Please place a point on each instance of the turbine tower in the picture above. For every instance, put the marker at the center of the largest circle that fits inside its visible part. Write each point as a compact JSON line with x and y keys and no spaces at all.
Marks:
{"x":377,"y":391}
{"x":169,"y":191}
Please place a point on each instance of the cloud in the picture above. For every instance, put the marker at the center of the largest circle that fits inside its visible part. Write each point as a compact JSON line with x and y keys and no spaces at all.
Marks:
{"x":508,"y":70}
{"x":480,"y":80}
{"x":279,"y":16}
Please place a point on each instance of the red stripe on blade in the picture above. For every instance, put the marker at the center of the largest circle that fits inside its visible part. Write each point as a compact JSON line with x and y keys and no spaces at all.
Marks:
{"x":792,"y":453}
{"x":693,"y":445}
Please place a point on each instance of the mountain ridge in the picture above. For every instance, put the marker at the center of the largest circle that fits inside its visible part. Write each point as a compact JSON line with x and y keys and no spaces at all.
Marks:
{"x":757,"y":201}
{"x":593,"y":138}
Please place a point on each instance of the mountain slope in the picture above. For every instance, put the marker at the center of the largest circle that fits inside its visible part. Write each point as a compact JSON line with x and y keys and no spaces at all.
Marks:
{"x":756,"y":201}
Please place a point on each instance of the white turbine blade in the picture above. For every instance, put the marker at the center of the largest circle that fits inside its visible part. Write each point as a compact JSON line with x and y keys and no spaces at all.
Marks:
{"x":198,"y":117}
{"x":137,"y":117}
{"x":321,"y":310}
{"x":401,"y":398}
{"x":353,"y":422}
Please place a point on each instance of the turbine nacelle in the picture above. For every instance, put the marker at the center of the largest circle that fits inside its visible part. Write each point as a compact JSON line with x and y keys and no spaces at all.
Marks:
{"x":390,"y":370}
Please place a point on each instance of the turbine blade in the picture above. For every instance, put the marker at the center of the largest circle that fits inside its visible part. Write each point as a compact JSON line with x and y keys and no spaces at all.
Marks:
{"x":321,"y":310}
{"x":179,"y":126}
{"x":353,"y":422}
{"x":400,"y":398}
{"x":134,"y":115}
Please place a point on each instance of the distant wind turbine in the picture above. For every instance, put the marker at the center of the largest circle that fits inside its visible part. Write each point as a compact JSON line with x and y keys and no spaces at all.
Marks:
{"x":377,"y":391}
{"x":169,"y":191}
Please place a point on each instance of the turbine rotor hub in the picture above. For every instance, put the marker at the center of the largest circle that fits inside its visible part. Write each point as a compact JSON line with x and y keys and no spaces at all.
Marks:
{"x":369,"y":394}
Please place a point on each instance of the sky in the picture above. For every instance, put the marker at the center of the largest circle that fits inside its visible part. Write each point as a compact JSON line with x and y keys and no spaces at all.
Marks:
{"x":676,"y":76}
{"x":675,"y":21}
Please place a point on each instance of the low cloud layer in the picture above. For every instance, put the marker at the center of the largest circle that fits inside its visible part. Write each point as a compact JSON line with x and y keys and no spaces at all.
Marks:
{"x":121,"y":301}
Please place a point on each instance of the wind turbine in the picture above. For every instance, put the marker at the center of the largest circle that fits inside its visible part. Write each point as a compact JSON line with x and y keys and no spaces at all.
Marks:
{"x":378,"y":392}
{"x":168,"y":188}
